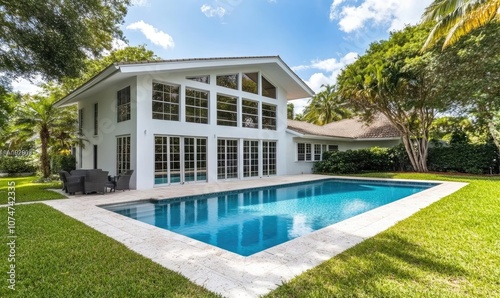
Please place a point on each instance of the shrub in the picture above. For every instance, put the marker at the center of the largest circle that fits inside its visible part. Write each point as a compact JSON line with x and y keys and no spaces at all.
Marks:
{"x":458,"y":157}
{"x":63,"y":163}
{"x":353,"y":161}
{"x":464,"y":158}
{"x":16,"y":165}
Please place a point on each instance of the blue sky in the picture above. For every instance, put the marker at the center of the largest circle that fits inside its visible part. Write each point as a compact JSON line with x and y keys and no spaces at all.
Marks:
{"x":316,"y":38}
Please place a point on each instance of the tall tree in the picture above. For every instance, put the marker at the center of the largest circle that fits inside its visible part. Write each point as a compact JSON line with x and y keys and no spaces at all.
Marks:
{"x":36,"y":116}
{"x":326,"y":106}
{"x":394,"y":78}
{"x":469,"y":71}
{"x":95,"y":65}
{"x":455,"y":19}
{"x":52,"y":37}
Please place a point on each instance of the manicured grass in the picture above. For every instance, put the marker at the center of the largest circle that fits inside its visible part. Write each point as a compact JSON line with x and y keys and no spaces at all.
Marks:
{"x":27,"y":190}
{"x":450,"y":249}
{"x":57,"y":256}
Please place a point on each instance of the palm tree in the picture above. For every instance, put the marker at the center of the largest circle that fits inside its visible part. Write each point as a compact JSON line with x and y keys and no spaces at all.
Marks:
{"x":456,"y":18}
{"x":326,"y":107}
{"x":37,"y":116}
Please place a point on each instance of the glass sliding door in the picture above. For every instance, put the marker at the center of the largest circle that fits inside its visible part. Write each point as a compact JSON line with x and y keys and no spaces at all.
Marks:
{"x":180,"y":159}
{"x":250,"y":158}
{"x":201,"y":159}
{"x":175,"y":160}
{"x":189,"y":160}
{"x":269,"y":158}
{"x":227,"y":159}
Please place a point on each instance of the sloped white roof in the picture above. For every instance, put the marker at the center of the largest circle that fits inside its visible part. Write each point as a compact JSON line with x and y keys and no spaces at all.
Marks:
{"x":273,"y":67}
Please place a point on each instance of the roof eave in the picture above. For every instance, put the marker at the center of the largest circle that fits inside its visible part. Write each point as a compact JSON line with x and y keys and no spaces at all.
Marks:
{"x":106,"y":73}
{"x":377,"y":139}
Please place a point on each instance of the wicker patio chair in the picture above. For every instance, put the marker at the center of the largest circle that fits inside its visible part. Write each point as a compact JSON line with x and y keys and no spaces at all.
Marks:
{"x":121,"y":182}
{"x":62,"y":176}
{"x":73,"y":184}
{"x":95,"y":181}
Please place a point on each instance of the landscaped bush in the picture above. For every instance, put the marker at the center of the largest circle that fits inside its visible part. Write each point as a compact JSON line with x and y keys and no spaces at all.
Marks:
{"x":354,"y":161}
{"x":16,"y":165}
{"x":464,"y":158}
{"x":63,"y":163}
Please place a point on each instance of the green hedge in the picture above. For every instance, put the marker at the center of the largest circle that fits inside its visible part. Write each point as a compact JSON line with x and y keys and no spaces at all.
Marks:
{"x":16,"y":165}
{"x":464,"y":158}
{"x":353,"y":161}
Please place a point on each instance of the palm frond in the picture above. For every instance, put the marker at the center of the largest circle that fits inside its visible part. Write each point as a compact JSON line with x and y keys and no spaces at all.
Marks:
{"x":456,"y":18}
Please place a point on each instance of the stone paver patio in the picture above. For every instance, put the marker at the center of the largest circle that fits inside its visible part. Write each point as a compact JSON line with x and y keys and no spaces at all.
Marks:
{"x":227,"y":273}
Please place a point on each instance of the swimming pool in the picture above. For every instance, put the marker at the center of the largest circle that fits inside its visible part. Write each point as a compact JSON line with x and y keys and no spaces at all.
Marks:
{"x":249,"y":221}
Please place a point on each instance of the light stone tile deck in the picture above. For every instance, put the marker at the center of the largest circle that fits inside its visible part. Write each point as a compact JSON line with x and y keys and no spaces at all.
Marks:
{"x":227,"y":273}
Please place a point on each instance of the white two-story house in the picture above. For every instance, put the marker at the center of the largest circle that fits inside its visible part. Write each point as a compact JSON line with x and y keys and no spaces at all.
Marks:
{"x":196,"y":120}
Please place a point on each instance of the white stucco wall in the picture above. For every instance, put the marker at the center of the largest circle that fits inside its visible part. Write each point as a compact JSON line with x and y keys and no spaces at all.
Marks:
{"x":142,"y":128}
{"x":108,"y":129}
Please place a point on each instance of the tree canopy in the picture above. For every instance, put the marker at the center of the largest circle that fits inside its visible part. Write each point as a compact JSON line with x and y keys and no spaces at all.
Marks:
{"x":53,"y":38}
{"x":394,"y":78}
{"x":326,"y":107}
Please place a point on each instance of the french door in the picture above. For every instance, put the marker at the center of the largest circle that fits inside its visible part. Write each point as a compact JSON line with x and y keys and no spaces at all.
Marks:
{"x":227,"y":159}
{"x":180,"y":159}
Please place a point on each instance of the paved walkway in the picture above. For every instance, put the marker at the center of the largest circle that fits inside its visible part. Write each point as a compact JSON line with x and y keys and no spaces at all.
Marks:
{"x":230,"y":274}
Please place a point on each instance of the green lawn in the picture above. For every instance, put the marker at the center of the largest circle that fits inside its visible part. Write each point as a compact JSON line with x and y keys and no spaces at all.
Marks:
{"x":57,"y":256}
{"x":449,"y":249}
{"x":28,"y":191}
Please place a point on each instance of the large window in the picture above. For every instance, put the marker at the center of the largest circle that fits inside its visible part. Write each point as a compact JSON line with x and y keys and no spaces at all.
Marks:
{"x":180,"y":159}
{"x":122,"y":154}
{"x":269,"y":158}
{"x":250,"y":113}
{"x":250,"y":158}
{"x":313,"y":152}
{"x":268,"y":116}
{"x":227,"y":110}
{"x":227,"y":159}
{"x":123,"y":104}
{"x":165,"y":102}
{"x":228,"y":81}
{"x":250,"y":82}
{"x":196,"y":106}
{"x":268,"y":89}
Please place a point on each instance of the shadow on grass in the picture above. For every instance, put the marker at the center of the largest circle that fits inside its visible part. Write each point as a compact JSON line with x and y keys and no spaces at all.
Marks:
{"x":384,"y":266}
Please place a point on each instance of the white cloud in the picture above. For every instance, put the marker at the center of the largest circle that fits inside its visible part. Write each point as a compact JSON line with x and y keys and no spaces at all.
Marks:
{"x":327,"y":74}
{"x":210,"y":11}
{"x":140,"y":3}
{"x":156,"y":36}
{"x":394,"y":14}
{"x":331,"y":65}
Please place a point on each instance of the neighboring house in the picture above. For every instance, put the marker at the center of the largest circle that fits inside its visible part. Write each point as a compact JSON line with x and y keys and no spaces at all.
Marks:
{"x":307,"y":142}
{"x":198,"y":120}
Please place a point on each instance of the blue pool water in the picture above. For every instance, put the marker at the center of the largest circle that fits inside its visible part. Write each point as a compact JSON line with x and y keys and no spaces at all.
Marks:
{"x":249,"y":221}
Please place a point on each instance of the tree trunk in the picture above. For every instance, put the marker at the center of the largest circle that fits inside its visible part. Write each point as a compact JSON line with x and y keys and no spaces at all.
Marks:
{"x":417,"y":152}
{"x":495,"y":134}
{"x":44,"y":158}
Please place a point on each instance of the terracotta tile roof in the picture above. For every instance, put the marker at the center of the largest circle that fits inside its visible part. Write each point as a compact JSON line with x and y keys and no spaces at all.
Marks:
{"x":348,"y":128}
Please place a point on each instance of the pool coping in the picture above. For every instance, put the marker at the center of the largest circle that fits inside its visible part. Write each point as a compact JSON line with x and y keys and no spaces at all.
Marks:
{"x":230,"y":274}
